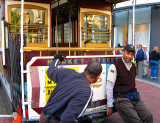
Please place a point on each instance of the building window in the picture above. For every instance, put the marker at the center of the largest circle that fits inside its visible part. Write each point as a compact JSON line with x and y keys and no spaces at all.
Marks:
{"x":120,"y":28}
{"x":142,"y":26}
{"x":123,"y":27}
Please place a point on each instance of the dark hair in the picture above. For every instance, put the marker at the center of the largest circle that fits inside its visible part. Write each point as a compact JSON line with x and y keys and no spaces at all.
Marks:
{"x":93,"y":69}
{"x":140,"y":45}
{"x":118,"y":45}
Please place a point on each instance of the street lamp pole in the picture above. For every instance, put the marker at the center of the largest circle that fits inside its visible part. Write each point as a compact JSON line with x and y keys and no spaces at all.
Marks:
{"x":21,"y":51}
{"x":133,"y":37}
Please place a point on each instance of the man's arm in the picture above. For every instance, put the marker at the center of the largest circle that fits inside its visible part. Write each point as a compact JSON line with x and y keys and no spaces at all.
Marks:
{"x":109,"y":87}
{"x":53,"y":72}
{"x":147,"y":54}
{"x":76,"y":107}
{"x":111,"y":78}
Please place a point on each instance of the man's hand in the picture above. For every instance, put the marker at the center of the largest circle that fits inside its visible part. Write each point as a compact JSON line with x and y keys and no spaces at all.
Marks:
{"x":109,"y":111}
{"x":60,"y":57}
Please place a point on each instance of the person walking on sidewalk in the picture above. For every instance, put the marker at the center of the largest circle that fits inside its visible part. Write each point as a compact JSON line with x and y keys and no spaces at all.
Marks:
{"x":139,"y":60}
{"x":145,"y":61}
{"x":121,"y":86}
{"x":140,"y":54}
{"x":154,"y":62}
{"x":72,"y":94}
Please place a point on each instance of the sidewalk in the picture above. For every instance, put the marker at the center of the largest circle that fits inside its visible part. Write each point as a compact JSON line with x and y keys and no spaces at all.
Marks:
{"x":150,"y":94}
{"x":155,"y":82}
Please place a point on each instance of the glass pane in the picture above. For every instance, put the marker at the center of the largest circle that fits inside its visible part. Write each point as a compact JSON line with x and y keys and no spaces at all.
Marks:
{"x":59,"y":33}
{"x":95,"y":29}
{"x":142,"y":34}
{"x":30,"y":16}
{"x":35,"y":30}
{"x":66,"y":33}
{"x":118,"y":35}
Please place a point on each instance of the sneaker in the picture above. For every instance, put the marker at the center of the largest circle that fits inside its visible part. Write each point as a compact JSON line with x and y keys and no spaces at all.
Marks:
{"x":151,"y":77}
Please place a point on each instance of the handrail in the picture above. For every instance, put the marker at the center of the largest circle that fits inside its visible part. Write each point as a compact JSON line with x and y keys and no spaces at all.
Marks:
{"x":74,"y":49}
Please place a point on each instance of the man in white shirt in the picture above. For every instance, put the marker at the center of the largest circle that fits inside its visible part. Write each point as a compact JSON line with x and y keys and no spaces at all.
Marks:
{"x":145,"y":61}
{"x":121,"y":86}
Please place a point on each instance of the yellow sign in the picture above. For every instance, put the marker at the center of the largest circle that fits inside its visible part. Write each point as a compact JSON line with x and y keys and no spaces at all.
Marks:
{"x":48,"y":92}
{"x":75,"y":68}
{"x":50,"y":85}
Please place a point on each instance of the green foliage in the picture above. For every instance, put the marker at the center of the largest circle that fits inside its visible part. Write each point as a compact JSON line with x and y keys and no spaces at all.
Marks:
{"x":15,"y":17}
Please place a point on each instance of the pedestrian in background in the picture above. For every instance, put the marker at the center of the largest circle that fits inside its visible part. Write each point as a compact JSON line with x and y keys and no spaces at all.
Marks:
{"x":122,"y":87}
{"x":72,"y":94}
{"x":139,"y":60}
{"x":145,"y":61}
{"x":139,"y":54}
{"x":154,"y":62}
{"x":119,"y":51}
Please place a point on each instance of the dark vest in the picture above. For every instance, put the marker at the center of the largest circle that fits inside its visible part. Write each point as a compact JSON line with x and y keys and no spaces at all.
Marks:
{"x":125,"y":81}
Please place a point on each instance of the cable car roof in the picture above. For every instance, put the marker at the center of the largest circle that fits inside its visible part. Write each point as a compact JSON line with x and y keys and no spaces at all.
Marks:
{"x":115,"y":1}
{"x":52,"y":1}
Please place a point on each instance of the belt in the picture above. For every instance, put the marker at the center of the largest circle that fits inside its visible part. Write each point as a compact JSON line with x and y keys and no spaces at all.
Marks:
{"x":51,"y":116}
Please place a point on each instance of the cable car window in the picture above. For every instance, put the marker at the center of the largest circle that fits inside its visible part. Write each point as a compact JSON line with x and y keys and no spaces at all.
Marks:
{"x":95,"y":29}
{"x":35,"y":24}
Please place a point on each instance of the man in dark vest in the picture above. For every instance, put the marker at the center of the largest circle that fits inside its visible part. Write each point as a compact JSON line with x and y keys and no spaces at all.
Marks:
{"x":121,"y":87}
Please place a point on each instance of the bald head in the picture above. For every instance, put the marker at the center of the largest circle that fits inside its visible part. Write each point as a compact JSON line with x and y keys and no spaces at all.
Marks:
{"x":93,"y":69}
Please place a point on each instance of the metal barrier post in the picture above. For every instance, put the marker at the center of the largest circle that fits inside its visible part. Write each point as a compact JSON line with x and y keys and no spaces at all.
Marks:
{"x":140,"y":69}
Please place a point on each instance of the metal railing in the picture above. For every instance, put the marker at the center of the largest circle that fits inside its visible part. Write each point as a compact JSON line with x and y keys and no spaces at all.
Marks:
{"x":73,"y":49}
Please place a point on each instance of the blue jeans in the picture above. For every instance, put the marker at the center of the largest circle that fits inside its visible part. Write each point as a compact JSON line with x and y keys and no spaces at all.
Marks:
{"x":154,"y":68}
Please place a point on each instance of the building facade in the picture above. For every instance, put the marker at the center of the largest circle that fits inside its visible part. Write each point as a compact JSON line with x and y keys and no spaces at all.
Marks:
{"x":147,"y":27}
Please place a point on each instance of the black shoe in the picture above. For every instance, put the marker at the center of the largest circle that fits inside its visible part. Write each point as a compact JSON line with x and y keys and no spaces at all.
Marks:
{"x":144,"y":75}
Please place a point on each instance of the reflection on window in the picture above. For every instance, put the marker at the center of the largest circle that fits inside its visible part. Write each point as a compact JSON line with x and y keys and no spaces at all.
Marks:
{"x":59,"y":33}
{"x":95,"y":29}
{"x":66,"y":33}
{"x":35,"y":30}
